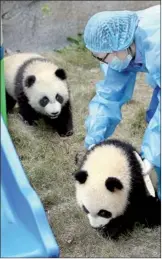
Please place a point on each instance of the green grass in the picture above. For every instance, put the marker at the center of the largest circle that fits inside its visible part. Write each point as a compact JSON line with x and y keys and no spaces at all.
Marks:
{"x":49,"y":162}
{"x":77,"y":54}
{"x":138,"y":125}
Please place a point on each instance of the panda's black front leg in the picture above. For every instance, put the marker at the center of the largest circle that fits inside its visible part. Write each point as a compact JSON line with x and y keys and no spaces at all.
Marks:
{"x":27,"y":112}
{"x":118,"y":226}
{"x":10,"y":102}
{"x":64,"y":123}
{"x":151,"y":212}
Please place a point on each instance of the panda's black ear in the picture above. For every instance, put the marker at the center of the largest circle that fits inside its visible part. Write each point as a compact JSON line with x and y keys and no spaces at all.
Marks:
{"x":61,"y":73}
{"x":81,"y":176}
{"x":113,"y":183}
{"x":30,"y":80}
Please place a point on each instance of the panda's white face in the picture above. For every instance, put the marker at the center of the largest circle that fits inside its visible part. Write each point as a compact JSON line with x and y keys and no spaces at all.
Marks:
{"x":46,"y":91}
{"x":98,"y":222}
{"x":98,"y":214}
{"x":51,"y":108}
{"x":103,"y":185}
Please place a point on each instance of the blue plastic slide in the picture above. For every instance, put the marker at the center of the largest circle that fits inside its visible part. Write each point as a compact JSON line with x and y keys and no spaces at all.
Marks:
{"x":25,"y":231}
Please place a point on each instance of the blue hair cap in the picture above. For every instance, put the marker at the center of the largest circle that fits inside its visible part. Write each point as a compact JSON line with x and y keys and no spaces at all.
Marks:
{"x":110,"y":31}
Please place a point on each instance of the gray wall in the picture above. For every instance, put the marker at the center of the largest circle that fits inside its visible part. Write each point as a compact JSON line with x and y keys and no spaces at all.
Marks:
{"x":25,"y":27}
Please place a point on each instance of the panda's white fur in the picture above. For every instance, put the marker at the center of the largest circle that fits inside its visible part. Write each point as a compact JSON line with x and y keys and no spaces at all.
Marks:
{"x":12,"y":64}
{"x":47,"y":83}
{"x":95,"y":165}
{"x":110,"y":180}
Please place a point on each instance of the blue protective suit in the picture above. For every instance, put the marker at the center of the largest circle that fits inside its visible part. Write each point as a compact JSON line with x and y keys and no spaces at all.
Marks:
{"x":117,"y":89}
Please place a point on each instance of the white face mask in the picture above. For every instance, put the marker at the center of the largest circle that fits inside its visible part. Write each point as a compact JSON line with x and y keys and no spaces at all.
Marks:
{"x":118,"y":64}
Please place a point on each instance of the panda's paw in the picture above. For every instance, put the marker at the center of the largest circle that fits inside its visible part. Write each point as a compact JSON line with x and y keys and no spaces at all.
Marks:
{"x":28,"y":122}
{"x":67,"y":134}
{"x":22,"y":119}
{"x":34,"y":123}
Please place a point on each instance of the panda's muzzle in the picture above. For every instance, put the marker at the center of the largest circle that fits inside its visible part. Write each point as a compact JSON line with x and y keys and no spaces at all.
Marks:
{"x":54,"y":115}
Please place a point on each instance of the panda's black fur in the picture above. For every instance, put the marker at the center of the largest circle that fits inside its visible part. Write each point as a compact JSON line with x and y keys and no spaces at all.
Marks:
{"x":63,"y":124}
{"x":141,"y":206}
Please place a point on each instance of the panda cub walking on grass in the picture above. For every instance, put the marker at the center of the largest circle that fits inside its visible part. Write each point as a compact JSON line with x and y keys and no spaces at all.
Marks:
{"x":40,"y":89}
{"x":111,"y":190}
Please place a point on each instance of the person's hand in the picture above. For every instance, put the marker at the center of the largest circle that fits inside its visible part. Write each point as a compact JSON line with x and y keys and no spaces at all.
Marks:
{"x":90,"y":147}
{"x":146,"y":170}
{"x":147,"y":167}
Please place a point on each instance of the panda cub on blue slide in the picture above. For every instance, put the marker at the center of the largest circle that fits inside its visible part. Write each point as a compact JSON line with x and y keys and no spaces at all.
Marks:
{"x":111,"y":190}
{"x":40,"y":89}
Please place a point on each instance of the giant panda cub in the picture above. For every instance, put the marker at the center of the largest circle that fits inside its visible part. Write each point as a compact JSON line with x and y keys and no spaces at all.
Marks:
{"x":40,"y":89}
{"x":111,"y":190}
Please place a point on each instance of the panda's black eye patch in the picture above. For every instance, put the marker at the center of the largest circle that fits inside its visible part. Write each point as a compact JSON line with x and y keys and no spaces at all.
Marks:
{"x":85,"y":210}
{"x":30,"y":80}
{"x":44,"y":101}
{"x":59,"y":98}
{"x":105,"y":214}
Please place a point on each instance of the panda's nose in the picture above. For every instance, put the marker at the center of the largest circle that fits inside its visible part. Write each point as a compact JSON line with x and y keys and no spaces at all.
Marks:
{"x":54,"y":113}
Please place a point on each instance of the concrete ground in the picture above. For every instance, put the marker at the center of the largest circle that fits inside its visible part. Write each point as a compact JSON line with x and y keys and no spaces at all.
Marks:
{"x":28,"y":28}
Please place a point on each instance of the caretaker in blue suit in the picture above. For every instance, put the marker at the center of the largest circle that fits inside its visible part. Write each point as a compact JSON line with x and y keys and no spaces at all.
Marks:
{"x":125,"y":42}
